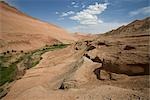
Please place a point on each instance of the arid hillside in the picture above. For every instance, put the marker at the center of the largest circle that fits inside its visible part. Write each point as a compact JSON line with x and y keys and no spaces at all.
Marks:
{"x":19,"y":31}
{"x":112,"y":66}
{"x":136,"y":27}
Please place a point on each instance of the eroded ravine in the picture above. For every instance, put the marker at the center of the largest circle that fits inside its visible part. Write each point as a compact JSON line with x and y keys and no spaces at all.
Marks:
{"x":13,"y":65}
{"x":89,"y":70}
{"x":48,"y":73}
{"x":67,"y":74}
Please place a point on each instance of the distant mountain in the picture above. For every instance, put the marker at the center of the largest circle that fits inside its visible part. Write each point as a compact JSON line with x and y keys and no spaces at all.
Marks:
{"x":22,"y":32}
{"x":136,"y":27}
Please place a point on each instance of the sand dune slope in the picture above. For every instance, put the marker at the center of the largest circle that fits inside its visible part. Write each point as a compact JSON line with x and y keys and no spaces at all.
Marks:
{"x":19,"y":29}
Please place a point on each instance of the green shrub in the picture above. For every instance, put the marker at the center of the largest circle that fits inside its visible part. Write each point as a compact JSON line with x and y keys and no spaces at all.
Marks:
{"x":7,"y":73}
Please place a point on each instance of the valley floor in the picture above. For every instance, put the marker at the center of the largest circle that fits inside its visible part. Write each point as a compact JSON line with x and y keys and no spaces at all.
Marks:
{"x":62,"y":75}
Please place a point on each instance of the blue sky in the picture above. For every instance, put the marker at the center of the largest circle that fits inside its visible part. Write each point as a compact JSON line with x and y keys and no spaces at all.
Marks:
{"x":86,"y":16}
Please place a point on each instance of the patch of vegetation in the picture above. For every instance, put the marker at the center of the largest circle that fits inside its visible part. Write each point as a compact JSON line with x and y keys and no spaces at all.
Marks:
{"x":8,"y":67}
{"x":7,"y":73}
{"x":8,"y":62}
{"x":1,"y":90}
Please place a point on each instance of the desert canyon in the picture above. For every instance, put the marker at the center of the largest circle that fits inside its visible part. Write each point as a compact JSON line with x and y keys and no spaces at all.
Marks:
{"x":41,"y":61}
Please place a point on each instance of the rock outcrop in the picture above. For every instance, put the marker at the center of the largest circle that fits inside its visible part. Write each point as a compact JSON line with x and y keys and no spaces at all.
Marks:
{"x":124,"y":54}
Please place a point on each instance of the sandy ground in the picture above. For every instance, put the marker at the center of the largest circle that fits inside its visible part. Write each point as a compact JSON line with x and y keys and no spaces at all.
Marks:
{"x":43,"y":82}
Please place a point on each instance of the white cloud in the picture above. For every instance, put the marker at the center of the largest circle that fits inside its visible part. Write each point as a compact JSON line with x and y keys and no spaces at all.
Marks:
{"x":83,"y":6}
{"x":72,"y":3}
{"x":56,"y":13}
{"x":75,"y":6}
{"x":67,"y":13}
{"x":99,"y":28}
{"x":88,"y":16}
{"x":144,"y":11}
